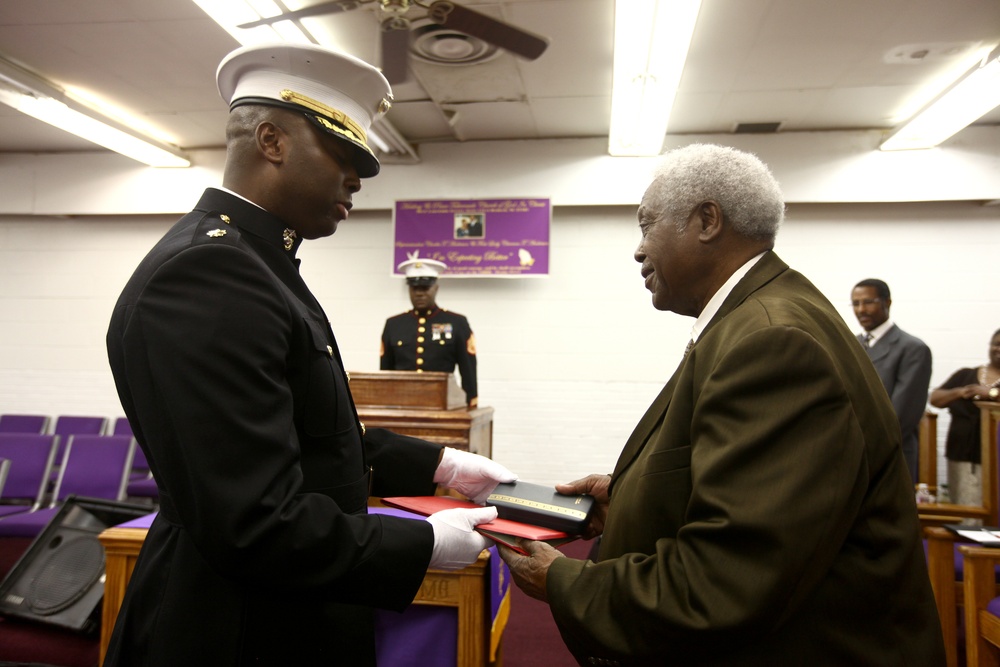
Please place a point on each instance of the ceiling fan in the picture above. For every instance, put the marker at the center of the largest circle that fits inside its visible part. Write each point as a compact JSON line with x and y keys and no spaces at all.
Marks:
{"x":395,"y":26}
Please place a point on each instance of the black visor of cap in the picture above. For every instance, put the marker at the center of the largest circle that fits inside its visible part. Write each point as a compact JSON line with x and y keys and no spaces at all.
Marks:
{"x":421,"y":281}
{"x":365,"y":161}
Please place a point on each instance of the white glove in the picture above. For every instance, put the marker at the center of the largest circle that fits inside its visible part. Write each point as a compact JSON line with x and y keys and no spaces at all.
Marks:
{"x":472,"y":475}
{"x":456,"y":543}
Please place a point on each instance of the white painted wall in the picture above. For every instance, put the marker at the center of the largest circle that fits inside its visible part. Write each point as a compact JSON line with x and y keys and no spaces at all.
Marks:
{"x":817,"y":167}
{"x":569,"y":362}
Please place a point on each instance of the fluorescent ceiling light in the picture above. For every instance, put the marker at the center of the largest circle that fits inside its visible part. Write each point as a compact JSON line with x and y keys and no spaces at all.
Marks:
{"x":651,"y":44}
{"x":392,"y":147}
{"x":231,"y":13}
{"x":970,"y":98}
{"x":41,"y":99}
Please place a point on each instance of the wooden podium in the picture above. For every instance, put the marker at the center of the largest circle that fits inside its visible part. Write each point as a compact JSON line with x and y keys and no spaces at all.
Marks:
{"x":428,"y":405}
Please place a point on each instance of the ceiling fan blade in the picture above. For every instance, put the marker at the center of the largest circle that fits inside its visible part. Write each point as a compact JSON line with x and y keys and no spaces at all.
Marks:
{"x":517,"y":41}
{"x":331,"y":7}
{"x":395,"y":50}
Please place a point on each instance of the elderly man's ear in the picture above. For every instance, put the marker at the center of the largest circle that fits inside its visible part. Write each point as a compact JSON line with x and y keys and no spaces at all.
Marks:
{"x":709,"y":217}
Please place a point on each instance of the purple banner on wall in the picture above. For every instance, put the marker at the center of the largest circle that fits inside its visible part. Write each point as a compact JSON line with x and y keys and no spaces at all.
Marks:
{"x":475,"y":237}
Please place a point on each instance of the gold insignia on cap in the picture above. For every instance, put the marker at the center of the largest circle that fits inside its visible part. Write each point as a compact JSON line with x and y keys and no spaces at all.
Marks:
{"x":288,"y":236}
{"x":224,"y":218}
{"x":216,"y":233}
{"x":351,"y":126}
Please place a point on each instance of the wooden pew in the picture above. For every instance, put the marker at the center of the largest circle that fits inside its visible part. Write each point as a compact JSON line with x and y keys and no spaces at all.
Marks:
{"x":948,"y":592}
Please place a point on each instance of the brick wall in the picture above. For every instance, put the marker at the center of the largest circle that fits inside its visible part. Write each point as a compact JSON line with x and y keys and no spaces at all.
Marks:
{"x":569,"y":362}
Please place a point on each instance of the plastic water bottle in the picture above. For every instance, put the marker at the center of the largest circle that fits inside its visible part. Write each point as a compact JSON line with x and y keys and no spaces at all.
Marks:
{"x":924,"y":496}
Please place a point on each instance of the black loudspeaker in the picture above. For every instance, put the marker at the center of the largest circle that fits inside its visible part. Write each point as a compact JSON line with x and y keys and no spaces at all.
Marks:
{"x":60,"y":578}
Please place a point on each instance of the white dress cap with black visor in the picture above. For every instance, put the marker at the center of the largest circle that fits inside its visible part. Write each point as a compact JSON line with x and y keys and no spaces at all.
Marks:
{"x":340,"y":94}
{"x":421,"y":272}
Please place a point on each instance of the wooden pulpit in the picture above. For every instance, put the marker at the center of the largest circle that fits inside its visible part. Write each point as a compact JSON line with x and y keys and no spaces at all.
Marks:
{"x":430,"y":406}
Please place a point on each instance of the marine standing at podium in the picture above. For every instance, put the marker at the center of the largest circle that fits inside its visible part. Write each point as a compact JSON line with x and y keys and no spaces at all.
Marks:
{"x":263,"y":551}
{"x":429,"y":338}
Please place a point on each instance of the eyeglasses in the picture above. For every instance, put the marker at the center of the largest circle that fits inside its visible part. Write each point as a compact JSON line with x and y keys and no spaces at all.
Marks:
{"x":864,"y":302}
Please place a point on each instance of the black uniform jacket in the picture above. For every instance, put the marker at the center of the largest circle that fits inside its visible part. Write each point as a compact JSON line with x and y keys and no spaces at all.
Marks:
{"x":431,"y":340}
{"x":263,"y":552}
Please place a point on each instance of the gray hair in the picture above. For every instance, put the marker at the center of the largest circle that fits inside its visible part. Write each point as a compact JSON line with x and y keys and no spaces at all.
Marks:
{"x":739,"y":182}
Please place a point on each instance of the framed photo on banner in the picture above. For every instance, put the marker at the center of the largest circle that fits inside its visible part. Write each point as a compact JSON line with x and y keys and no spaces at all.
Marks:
{"x":506,"y":238}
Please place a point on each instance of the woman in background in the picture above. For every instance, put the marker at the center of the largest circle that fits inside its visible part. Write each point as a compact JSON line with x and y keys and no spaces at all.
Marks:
{"x":963,"y":448}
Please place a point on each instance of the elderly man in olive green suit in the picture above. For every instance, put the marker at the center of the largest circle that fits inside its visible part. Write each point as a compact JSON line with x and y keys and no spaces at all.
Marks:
{"x":761,"y":512}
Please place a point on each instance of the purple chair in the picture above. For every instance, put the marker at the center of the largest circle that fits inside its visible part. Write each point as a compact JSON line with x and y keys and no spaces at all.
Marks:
{"x":31,"y":456}
{"x":122,"y":427}
{"x":93,"y":466}
{"x":70,"y":425}
{"x":141,"y":483}
{"x":140,"y":468}
{"x":4,"y":471}
{"x":82,"y":425}
{"x":143,"y":488}
{"x":24,"y":423}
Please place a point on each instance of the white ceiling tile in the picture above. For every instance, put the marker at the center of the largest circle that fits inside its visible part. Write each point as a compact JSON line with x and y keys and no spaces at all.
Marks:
{"x":813,"y":64}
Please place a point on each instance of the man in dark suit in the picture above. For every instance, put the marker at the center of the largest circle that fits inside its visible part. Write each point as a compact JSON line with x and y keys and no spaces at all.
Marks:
{"x":263,"y":551}
{"x":903,"y":363}
{"x":476,"y":226}
{"x":761,"y":512}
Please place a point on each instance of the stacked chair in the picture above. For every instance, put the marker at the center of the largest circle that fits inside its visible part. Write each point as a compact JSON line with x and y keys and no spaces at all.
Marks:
{"x":141,"y":485}
{"x":24,"y":423}
{"x":92,"y":466}
{"x":69,"y":425}
{"x":30,"y":457}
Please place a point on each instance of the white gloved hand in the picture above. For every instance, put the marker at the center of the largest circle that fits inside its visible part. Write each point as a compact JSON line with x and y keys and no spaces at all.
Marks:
{"x":472,"y":475}
{"x":456,"y":543}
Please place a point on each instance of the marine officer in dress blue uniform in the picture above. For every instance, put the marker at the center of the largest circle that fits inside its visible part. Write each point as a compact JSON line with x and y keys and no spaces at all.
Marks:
{"x":263,"y":551}
{"x":429,"y":338}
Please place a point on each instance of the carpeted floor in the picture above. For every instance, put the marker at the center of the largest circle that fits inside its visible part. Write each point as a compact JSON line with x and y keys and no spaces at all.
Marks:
{"x":532,"y":638}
